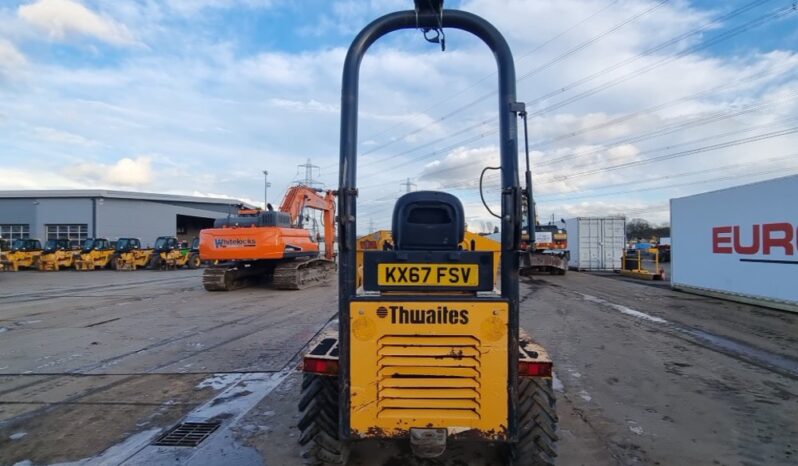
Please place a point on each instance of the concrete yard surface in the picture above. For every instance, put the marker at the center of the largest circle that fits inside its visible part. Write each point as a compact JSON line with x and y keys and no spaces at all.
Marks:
{"x":94,"y":366}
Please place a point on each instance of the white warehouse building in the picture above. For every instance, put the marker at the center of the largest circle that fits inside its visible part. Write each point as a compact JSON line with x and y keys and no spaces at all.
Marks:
{"x":80,"y":214}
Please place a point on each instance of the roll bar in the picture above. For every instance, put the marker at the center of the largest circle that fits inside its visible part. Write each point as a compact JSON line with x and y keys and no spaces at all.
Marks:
{"x":511,"y":192}
{"x":508,"y":134}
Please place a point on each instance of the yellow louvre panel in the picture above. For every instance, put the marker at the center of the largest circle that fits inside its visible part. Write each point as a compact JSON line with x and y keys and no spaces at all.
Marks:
{"x":431,"y":403}
{"x":429,"y":361}
{"x":448,"y":372}
{"x":417,"y":382}
{"x":444,"y":350}
{"x":449,"y":415}
{"x":438,"y":371}
{"x":440,"y":340}
{"x":427,"y":392}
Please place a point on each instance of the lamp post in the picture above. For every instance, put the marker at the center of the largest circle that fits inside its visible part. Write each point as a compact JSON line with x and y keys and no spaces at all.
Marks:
{"x":266,"y":186}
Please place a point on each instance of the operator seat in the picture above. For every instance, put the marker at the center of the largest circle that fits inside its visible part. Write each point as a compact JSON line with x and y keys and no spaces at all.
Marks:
{"x":428,"y":221}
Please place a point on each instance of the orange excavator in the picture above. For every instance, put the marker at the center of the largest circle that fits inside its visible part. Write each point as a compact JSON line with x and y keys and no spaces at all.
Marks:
{"x":257,"y":243}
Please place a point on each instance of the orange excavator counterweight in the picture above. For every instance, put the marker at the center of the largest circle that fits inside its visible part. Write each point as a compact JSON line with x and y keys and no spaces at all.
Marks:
{"x":257,"y":244}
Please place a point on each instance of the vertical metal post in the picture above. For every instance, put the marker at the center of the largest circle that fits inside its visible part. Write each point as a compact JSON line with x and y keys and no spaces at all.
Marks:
{"x":266,"y":186}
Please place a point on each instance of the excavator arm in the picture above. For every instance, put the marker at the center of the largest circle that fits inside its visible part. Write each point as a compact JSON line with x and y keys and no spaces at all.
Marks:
{"x":300,"y":196}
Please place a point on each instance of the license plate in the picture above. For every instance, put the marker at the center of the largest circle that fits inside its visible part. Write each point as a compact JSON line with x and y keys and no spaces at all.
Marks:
{"x":458,"y":275}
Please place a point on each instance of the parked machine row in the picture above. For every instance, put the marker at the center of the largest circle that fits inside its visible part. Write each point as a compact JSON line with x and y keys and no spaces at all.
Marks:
{"x":99,"y":253}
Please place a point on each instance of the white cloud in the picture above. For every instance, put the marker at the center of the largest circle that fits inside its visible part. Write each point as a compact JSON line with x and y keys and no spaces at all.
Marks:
{"x":311,"y":106}
{"x":62,"y":19}
{"x":191,"y":7}
{"x":461,"y":167}
{"x":20,"y":178}
{"x":290,"y":71}
{"x":10,"y":56}
{"x":11,"y":59}
{"x":59,"y":136}
{"x":125,"y":172}
{"x":348,"y":16}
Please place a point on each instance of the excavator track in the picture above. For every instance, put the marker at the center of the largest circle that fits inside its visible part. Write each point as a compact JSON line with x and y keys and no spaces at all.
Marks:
{"x":300,"y":274}
{"x":231,"y":276}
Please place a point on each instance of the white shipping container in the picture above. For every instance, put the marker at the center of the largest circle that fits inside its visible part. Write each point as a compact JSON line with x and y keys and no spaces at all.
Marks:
{"x":740,"y":243}
{"x":596,"y":243}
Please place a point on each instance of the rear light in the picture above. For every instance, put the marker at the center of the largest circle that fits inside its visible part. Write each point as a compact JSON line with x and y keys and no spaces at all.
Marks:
{"x":534,"y":369}
{"x":320,"y":366}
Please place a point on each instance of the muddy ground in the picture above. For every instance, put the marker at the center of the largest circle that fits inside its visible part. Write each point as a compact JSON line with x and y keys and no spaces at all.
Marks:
{"x":94,"y":366}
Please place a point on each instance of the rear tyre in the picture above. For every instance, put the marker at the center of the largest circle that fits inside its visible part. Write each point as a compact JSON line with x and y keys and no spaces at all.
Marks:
{"x":155,"y":262}
{"x":319,"y":438}
{"x":194,"y":261}
{"x":537,"y":424}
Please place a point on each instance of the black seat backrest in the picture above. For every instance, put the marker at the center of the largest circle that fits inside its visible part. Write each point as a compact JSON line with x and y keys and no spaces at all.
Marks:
{"x":428,"y":220}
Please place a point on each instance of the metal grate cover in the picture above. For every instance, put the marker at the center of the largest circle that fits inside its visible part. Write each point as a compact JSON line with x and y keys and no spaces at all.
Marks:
{"x":187,"y":434}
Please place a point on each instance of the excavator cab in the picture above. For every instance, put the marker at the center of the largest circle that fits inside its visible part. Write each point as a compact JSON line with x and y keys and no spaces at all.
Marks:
{"x":429,"y":350}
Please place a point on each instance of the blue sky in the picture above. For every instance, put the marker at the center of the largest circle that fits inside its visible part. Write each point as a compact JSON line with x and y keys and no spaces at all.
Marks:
{"x":199,"y":96}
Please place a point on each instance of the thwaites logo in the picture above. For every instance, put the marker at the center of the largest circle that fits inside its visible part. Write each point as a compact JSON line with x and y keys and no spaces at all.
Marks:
{"x":765,"y":239}
{"x":440,"y":315}
{"x":234,"y":243}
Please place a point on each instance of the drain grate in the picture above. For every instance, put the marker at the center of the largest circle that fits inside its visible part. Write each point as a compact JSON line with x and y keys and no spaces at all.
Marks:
{"x":187,"y":434}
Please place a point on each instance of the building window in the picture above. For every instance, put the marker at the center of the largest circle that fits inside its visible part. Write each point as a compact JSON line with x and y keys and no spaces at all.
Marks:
{"x":75,"y":233}
{"x":11,"y":232}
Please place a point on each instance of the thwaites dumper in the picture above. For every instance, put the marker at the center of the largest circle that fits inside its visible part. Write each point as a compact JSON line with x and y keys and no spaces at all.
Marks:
{"x":24,"y":253}
{"x":428,"y":351}
{"x":170,"y":254}
{"x":129,"y":255}
{"x":57,"y":255}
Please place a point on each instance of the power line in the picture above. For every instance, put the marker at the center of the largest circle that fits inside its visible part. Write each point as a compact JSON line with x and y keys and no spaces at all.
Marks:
{"x":677,"y":185}
{"x":661,"y":131}
{"x":736,"y":142}
{"x":724,"y":145}
{"x":669,"y":156}
{"x":736,"y":31}
{"x":713,"y":170}
{"x":408,"y":185}
{"x":494,"y":177}
{"x":691,"y":183}
{"x":308,"y":179}
{"x":539,"y":69}
{"x":488,"y":76}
